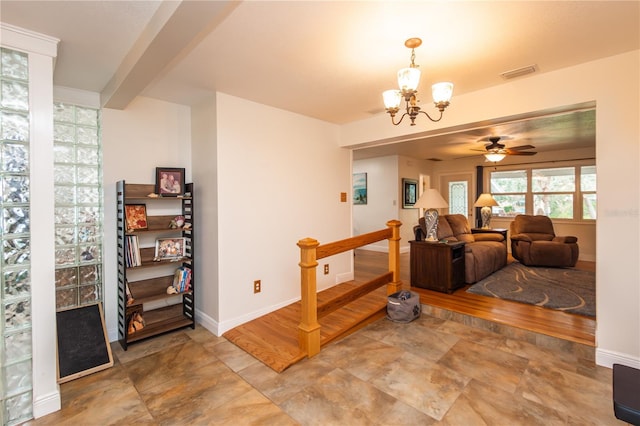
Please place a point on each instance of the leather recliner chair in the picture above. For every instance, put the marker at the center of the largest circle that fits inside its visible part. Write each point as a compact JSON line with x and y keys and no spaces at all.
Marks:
{"x":534,"y":243}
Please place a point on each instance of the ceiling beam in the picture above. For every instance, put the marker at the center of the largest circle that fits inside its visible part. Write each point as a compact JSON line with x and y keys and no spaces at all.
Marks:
{"x":175,"y":29}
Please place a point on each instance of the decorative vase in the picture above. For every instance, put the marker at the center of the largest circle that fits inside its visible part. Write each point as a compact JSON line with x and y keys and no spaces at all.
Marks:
{"x":431,"y":222}
{"x":485,"y":213}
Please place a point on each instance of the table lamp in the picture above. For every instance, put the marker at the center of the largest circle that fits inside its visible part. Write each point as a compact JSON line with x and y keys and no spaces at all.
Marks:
{"x":431,"y":200}
{"x":486,"y":201}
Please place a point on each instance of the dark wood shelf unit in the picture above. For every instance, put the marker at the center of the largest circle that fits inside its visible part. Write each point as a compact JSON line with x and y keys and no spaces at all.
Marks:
{"x":149,"y":290}
{"x":437,"y":266}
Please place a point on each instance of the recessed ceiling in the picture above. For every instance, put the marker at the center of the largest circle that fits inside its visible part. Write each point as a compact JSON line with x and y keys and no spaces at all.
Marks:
{"x":555,"y":130}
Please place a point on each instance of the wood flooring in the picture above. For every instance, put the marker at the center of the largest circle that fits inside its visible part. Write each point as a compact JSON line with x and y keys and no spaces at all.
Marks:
{"x":273,"y":338}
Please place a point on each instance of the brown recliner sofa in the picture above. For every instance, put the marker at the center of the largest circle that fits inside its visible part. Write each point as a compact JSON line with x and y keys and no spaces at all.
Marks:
{"x":534,"y":243}
{"x":485,"y":253}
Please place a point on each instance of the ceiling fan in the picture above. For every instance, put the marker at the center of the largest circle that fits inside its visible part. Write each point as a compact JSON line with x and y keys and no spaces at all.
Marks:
{"x":496,"y":151}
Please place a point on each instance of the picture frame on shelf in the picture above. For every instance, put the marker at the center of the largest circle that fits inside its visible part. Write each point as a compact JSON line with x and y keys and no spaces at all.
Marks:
{"x":169,"y":181}
{"x":136,"y":217}
{"x":359,"y":188}
{"x":409,"y":193}
{"x":170,"y":248}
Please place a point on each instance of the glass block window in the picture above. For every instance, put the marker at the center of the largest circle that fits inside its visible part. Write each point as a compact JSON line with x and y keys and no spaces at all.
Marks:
{"x":78,"y":205}
{"x":15,"y":268}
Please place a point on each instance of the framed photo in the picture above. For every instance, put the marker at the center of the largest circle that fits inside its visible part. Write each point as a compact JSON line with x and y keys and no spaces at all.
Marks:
{"x":409,"y":193}
{"x":359,"y":188}
{"x":169,"y":181}
{"x":136,"y":216}
{"x":169,"y":248}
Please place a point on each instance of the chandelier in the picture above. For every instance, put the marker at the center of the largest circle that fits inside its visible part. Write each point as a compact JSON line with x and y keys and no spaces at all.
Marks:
{"x":408,"y":80}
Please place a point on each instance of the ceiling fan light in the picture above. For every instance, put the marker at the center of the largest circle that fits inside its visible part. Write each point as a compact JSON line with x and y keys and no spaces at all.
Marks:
{"x":494,"y":156}
{"x":408,"y":79}
{"x":442,"y":92}
{"x":392,"y":99}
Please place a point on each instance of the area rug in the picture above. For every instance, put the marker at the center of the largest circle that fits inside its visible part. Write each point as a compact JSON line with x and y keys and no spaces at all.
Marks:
{"x":563,"y":289}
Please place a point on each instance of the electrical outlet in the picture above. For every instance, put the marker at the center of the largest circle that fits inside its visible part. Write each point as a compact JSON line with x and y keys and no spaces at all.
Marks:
{"x":257,"y":286}
{"x":326,"y":268}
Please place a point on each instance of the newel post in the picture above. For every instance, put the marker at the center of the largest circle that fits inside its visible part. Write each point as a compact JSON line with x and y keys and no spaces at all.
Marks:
{"x":309,"y":329}
{"x":394,"y":256}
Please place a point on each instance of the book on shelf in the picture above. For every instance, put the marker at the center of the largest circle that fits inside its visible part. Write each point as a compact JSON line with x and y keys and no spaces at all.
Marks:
{"x":182,"y":279}
{"x":132,"y":254}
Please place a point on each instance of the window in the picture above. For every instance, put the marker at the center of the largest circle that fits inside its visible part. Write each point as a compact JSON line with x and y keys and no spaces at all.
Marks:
{"x":553,"y":191}
{"x":558,"y":192}
{"x":588,"y":190}
{"x":509,"y":190}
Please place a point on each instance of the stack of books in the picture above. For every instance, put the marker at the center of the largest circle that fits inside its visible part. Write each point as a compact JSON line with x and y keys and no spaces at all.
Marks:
{"x":182,"y":279}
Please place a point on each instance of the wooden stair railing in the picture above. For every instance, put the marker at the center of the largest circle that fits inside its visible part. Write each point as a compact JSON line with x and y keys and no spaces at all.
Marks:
{"x":311,"y":251}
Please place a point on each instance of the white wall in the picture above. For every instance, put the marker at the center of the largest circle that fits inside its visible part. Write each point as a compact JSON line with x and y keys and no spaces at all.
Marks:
{"x":147,"y":134}
{"x":382,"y":197}
{"x":205,"y":177}
{"x":614,"y":85}
{"x":280,"y":176}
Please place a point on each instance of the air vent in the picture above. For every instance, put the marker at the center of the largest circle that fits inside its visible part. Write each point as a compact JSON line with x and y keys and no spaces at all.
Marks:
{"x":519,"y":72}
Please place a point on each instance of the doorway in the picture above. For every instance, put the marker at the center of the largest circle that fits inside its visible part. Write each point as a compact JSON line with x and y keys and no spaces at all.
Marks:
{"x":456,"y":190}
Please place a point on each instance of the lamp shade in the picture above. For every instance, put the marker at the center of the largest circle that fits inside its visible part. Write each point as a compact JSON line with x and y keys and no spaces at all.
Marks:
{"x":392,"y":99}
{"x":431,"y":199}
{"x":485,"y":200}
{"x":408,"y":79}
{"x":494,"y":156}
{"x":442,"y":92}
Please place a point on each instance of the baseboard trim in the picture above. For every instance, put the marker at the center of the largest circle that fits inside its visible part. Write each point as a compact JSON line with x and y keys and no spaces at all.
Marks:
{"x":607,"y":358}
{"x":384,"y":248}
{"x":219,"y":328}
{"x":46,"y":404}
{"x":207,"y":322}
{"x":347,"y":276}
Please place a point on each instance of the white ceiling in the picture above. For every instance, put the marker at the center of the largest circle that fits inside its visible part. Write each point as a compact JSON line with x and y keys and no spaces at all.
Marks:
{"x":325,"y":59}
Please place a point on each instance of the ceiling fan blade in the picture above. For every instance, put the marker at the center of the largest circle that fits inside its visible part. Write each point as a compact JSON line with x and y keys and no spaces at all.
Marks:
{"x":510,"y":152}
{"x":521,"y":147}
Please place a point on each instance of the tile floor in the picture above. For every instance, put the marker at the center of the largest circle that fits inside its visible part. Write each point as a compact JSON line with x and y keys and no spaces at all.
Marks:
{"x":431,"y":371}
